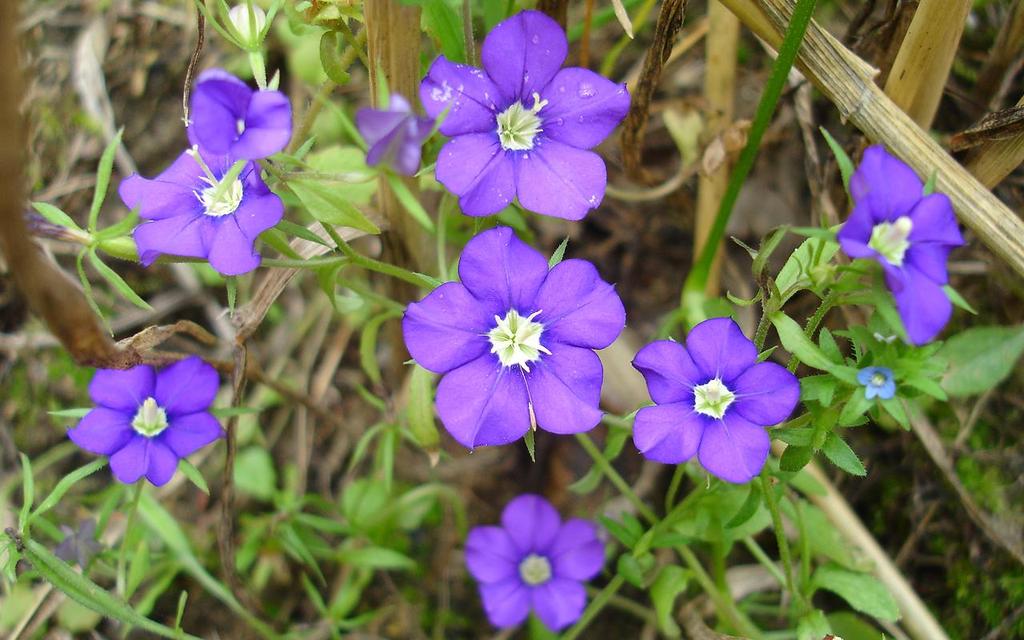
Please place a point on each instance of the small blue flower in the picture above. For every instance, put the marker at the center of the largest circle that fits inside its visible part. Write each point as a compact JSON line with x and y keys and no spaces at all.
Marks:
{"x":878,"y":382}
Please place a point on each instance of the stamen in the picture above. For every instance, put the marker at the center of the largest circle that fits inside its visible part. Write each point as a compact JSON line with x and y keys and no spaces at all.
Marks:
{"x":516,"y":340}
{"x":712,"y":398}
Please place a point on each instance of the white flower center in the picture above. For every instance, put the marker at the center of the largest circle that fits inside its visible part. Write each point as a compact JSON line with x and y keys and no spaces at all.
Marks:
{"x":535,"y":570}
{"x":516,"y":340}
{"x":712,"y":398}
{"x":518,"y":126}
{"x":890,"y":239}
{"x":150,"y":420}
{"x":878,"y":380}
{"x":216,"y":205}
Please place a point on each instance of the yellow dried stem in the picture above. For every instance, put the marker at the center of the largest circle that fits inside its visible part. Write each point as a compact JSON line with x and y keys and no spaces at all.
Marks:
{"x":720,"y":93}
{"x":922,"y":65}
{"x":994,"y":160}
{"x":847,"y":81}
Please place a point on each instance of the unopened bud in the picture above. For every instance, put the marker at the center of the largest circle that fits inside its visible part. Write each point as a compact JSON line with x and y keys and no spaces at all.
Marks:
{"x":248,"y":31}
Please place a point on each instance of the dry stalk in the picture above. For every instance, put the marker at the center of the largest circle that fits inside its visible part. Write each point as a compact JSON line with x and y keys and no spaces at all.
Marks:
{"x":720,"y":93}
{"x":995,"y":159}
{"x":1001,"y":58}
{"x":847,"y":81}
{"x":918,"y":75}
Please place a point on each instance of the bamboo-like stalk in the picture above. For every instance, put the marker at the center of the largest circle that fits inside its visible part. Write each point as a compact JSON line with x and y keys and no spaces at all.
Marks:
{"x":922,"y":65}
{"x":992,"y":161}
{"x":1001,"y":57}
{"x":719,"y":92}
{"x":846,"y":80}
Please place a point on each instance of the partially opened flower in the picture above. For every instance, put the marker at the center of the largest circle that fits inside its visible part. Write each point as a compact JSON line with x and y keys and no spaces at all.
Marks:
{"x":197,"y":208}
{"x":908,"y":233}
{"x":515,"y":341}
{"x":147,"y":420}
{"x":714,"y":401}
{"x":230,"y":118}
{"x":395,"y":135}
{"x":522,"y":126}
{"x":534,"y":561}
{"x":878,"y":382}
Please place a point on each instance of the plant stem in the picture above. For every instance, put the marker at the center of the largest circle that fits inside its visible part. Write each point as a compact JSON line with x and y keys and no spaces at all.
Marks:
{"x":122,"y":555}
{"x":595,"y":606}
{"x":780,"y":535}
{"x":613,"y":476}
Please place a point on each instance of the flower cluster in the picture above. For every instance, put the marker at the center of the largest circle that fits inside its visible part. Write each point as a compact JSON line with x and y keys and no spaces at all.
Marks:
{"x":515,"y":341}
{"x":534,"y":561}
{"x":147,"y":420}
{"x":211,"y":202}
{"x":910,"y":234}
{"x":522,"y":126}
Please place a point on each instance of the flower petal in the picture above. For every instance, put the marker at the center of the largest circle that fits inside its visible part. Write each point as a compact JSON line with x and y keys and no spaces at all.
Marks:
{"x":475,"y":168}
{"x":669,"y":371}
{"x":170,"y":194}
{"x":577,"y":553}
{"x":734,"y":449}
{"x":930,"y":259}
{"x":103,"y":431}
{"x":483,"y":403}
{"x":185,"y":235}
{"x":565,"y":389}
{"x":122,"y":389}
{"x":923,"y":305}
{"x":162,"y":463}
{"x":132,"y":461}
{"x":257,"y":213}
{"x":531,"y":522}
{"x":557,"y":180}
{"x":522,"y":53}
{"x":886,"y":184}
{"x":188,"y":433}
{"x":376,"y":124}
{"x":934,"y":221}
{"x":668,"y":433}
{"x":765,"y":394}
{"x":219,"y":101}
{"x":583,"y":107}
{"x":268,"y":126}
{"x":187,"y":386}
{"x":578,"y":307}
{"x":719,"y":349}
{"x":559,"y":602}
{"x":507,"y":603}
{"x":470,"y":93}
{"x":490,"y":554}
{"x":232,"y":253}
{"x":447,"y":329}
{"x":502,"y":271}
{"x":855,"y":233}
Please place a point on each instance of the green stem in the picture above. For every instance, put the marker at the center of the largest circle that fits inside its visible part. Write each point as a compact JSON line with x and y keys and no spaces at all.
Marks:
{"x":359,"y":260}
{"x":762,"y":557}
{"x":696,"y":281}
{"x":613,"y":476}
{"x":673,"y":487}
{"x":780,"y":535}
{"x":723,"y":602}
{"x":762,"y":327}
{"x":122,"y":555}
{"x":594,"y":608}
{"x":813,"y":322}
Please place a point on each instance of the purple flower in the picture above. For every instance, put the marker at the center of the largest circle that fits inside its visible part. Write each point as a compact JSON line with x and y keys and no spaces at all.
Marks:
{"x":147,"y":420}
{"x":229,"y":118}
{"x":908,"y":233}
{"x":395,"y":135}
{"x":522,"y":127}
{"x":198,"y":209}
{"x":878,"y":382}
{"x":515,"y":341}
{"x":713,"y":399}
{"x":534,"y":561}
{"x":79,"y":545}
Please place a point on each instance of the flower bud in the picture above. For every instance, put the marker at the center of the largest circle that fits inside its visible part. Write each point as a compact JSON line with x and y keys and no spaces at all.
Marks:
{"x":239,"y":16}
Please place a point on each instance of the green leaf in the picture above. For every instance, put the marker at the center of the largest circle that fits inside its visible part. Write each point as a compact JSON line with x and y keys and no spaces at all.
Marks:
{"x":671,"y":582}
{"x":862,"y":591}
{"x":327,"y":205}
{"x":797,"y":343}
{"x":368,"y":345}
{"x":299,"y":231}
{"x":330,"y":56}
{"x":28,"y":491}
{"x":841,"y":455}
{"x":980,"y":358}
{"x":747,"y":509}
{"x":420,"y":410}
{"x":103,"y":172}
{"x":70,"y":413}
{"x":444,"y":25}
{"x":845,"y":164}
{"x":894,"y":407}
{"x":765,"y":251}
{"x":376,"y":558}
{"x":559,"y":253}
{"x":65,"y":484}
{"x":118,"y":283}
{"x":801,"y":264}
{"x":795,"y":458}
{"x":531,"y":446}
{"x":958,"y":300}
{"x":194,"y":475}
{"x":89,"y":594}
{"x":855,"y":407}
{"x":410,"y":202}
{"x":255,"y":473}
{"x":630,"y":568}
{"x":55,"y":215}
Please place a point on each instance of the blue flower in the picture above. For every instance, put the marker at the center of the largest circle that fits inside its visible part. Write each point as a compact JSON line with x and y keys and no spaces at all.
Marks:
{"x":878,"y":382}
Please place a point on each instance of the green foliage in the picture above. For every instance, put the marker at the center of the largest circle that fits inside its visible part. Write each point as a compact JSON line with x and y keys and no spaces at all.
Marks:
{"x":980,"y":358}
